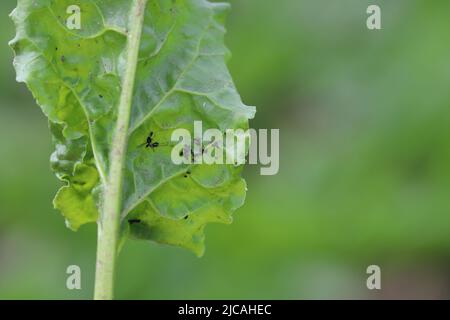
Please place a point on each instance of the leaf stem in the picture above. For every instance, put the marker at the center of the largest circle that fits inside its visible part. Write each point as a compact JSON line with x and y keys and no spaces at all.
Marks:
{"x":109,"y":221}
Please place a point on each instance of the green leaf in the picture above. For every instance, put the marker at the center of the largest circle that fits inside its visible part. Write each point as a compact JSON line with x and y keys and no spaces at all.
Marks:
{"x":76,"y":78}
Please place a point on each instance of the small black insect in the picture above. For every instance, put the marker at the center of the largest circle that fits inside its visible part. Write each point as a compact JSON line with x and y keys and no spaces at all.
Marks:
{"x":133,"y":221}
{"x":150,"y":143}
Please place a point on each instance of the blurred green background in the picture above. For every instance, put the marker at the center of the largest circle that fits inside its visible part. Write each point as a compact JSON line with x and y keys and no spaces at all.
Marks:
{"x":364,"y":178}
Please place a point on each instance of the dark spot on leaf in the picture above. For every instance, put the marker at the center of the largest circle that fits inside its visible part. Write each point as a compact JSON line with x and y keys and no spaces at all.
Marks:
{"x":56,"y":49}
{"x":187,"y":217}
{"x":100,"y":96}
{"x":133,"y":221}
{"x":63,"y":59}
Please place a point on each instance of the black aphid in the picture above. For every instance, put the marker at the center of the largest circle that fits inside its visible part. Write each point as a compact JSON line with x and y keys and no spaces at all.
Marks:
{"x":133,"y":221}
{"x":150,"y":143}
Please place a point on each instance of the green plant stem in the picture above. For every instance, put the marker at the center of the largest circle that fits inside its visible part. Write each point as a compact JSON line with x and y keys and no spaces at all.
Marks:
{"x":109,"y":222}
